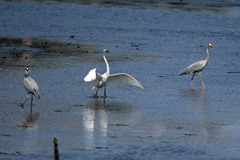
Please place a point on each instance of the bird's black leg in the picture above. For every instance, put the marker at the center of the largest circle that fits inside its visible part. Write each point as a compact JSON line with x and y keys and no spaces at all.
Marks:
{"x":104,"y":101}
{"x":192,"y":80}
{"x":96,"y":92}
{"x":31,"y":103}
{"x":105,"y":95}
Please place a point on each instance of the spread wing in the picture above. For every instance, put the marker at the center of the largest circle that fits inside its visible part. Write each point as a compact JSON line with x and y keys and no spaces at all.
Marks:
{"x":91,"y":76}
{"x":117,"y":79}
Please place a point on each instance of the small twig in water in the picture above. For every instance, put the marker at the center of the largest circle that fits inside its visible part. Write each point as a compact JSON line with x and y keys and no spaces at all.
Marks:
{"x":56,"y":153}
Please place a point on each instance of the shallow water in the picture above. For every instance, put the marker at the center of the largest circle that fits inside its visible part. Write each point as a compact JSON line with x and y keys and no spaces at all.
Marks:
{"x":61,"y":42}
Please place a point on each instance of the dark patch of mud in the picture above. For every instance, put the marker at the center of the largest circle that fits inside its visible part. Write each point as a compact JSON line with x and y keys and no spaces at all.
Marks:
{"x":28,"y":48}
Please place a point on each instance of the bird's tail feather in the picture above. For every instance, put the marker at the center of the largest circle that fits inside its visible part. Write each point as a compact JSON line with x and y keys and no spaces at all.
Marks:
{"x":37,"y":95}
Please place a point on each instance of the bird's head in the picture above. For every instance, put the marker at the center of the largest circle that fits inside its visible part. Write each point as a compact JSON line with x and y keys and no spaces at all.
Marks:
{"x":26,"y":72}
{"x":105,"y":51}
{"x":210,"y":45}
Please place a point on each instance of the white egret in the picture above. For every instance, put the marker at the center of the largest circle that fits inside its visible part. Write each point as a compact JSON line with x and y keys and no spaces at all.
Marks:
{"x":100,"y":81}
{"x":197,"y":67}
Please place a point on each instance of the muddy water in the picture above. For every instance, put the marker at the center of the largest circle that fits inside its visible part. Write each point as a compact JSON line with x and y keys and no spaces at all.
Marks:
{"x":61,"y":42}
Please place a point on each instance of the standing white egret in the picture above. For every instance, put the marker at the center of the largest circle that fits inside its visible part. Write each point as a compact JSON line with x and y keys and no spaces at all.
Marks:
{"x":197,"y":67}
{"x":31,"y":87}
{"x":106,"y":79}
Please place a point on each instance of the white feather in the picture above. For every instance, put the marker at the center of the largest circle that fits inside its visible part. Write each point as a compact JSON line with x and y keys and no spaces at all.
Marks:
{"x":117,"y":79}
{"x":92,"y":75}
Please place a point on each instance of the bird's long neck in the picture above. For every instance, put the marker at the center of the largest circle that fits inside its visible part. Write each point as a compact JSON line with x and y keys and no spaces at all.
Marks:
{"x":207,"y":59}
{"x":108,"y":70}
{"x":26,"y":74}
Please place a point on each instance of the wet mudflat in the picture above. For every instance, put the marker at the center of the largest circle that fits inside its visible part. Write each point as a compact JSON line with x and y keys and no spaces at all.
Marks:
{"x":61,"y":42}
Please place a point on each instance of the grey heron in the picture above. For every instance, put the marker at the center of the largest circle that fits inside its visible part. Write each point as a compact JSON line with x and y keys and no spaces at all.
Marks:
{"x":197,"y":67}
{"x":31,"y":87}
{"x":100,"y":81}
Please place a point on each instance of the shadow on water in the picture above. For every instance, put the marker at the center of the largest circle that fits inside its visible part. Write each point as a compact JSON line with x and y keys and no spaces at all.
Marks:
{"x":108,"y":105}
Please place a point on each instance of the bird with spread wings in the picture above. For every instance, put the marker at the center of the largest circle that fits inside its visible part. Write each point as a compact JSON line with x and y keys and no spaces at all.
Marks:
{"x":106,"y":79}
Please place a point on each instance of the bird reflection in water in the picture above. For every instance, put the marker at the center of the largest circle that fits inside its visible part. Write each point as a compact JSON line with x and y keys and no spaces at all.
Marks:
{"x":107,"y":105}
{"x":94,"y":123}
{"x":30,"y":120}
{"x":96,"y":118}
{"x":197,"y":96}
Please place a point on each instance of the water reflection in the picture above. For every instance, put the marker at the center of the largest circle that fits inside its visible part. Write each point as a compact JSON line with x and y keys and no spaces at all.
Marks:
{"x":209,"y":126}
{"x":192,"y":92}
{"x":95,"y":122}
{"x":96,"y":117}
{"x":196,"y":96}
{"x":214,"y":132}
{"x":30,"y":120}
{"x":109,"y":105}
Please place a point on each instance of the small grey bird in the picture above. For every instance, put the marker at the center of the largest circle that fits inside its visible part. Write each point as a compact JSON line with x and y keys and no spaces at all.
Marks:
{"x":31,"y":87}
{"x":197,"y":67}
